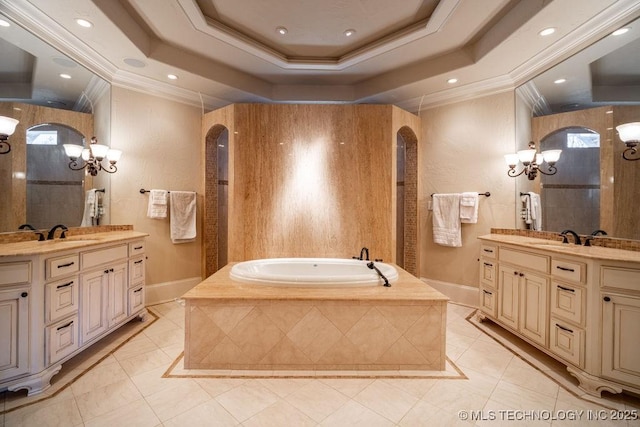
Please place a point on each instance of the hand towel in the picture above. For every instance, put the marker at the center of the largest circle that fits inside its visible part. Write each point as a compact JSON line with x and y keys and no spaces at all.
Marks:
{"x":469,"y":207}
{"x":90,"y":208}
{"x":157,"y":207}
{"x":182,"y":207}
{"x":446,"y":219}
{"x":536,"y":211}
{"x":526,"y":209}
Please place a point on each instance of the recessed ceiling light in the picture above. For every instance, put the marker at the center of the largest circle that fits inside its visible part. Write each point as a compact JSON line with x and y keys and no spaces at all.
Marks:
{"x":84,"y":23}
{"x":282,"y":31}
{"x":559,"y":81}
{"x":349,"y":33}
{"x":547,"y":31}
{"x":452,"y":81}
{"x":620,"y":32}
{"x":65,"y":76}
{"x":4,"y":23}
{"x":172,"y":77}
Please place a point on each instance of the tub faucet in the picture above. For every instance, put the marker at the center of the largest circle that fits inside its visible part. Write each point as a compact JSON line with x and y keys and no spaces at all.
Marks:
{"x":52,"y":232}
{"x":576,"y":238}
{"x":372,"y":266}
{"x":364,"y":251}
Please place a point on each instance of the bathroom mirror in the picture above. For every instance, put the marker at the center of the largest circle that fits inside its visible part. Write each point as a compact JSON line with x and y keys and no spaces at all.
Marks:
{"x":604,"y":74}
{"x":36,"y":74}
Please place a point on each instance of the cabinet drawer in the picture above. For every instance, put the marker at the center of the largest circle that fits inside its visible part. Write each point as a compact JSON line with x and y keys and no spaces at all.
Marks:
{"x":101,"y":256}
{"x":136,"y":248}
{"x":569,"y":270}
{"x":488,"y":272}
{"x":488,"y":301}
{"x":136,"y":299}
{"x":526,"y":260}
{"x":567,"y":342}
{"x":62,"y":266}
{"x":568,"y":302}
{"x":62,"y":339}
{"x":61,"y":298}
{"x":489,"y":251}
{"x":136,"y":271}
{"x":620,"y":277}
{"x":15,"y":273}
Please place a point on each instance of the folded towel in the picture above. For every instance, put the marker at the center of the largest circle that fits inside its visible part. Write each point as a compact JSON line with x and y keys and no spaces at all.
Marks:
{"x":469,"y":208}
{"x":182,"y":207}
{"x":536,"y":211}
{"x":157,"y":207}
{"x":90,"y":208}
{"x":446,"y":219}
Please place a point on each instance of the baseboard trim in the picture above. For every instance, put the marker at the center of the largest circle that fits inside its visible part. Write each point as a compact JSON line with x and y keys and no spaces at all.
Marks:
{"x":461,"y":294}
{"x":169,"y":291}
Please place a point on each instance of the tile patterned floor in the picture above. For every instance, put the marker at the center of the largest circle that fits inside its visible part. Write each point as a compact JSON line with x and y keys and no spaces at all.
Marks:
{"x":128,"y":387}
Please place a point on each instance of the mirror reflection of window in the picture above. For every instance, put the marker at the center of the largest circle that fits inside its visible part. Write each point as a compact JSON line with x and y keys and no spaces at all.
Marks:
{"x":55,"y":193}
{"x":571,"y":197}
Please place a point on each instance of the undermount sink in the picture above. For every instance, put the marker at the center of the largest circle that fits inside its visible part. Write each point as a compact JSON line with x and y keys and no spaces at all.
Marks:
{"x":555,"y":245}
{"x":70,"y":240}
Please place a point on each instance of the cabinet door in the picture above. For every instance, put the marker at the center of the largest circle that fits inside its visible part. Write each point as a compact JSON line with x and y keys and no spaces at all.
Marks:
{"x":118,"y":294}
{"x":14,"y":333}
{"x":533,"y":307}
{"x":620,"y":345}
{"x":508,"y":296}
{"x":94,"y":304}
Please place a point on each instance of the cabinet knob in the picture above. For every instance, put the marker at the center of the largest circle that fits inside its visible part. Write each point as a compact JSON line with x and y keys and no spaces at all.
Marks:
{"x":24,"y":294}
{"x":515,"y":273}
{"x":607,"y":299}
{"x":106,"y":272}
{"x":521,"y":274}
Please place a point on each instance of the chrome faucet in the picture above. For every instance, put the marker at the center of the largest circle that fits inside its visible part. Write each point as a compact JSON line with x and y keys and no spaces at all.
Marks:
{"x":576,"y":238}
{"x":52,"y":232}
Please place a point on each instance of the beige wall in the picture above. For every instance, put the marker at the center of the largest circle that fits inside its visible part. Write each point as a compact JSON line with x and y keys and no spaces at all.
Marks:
{"x":462,"y":149}
{"x":160,"y":140}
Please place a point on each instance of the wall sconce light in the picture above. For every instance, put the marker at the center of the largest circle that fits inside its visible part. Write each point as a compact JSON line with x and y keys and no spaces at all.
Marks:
{"x":532,"y":161}
{"x":92,"y":157}
{"x":7,"y":127}
{"x":629,"y":134}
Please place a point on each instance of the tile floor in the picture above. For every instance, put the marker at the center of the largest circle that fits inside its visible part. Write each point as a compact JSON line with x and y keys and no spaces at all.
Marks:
{"x":127,"y":388}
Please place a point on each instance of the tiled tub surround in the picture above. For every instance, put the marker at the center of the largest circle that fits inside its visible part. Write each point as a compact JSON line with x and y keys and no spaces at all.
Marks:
{"x":229,"y":325}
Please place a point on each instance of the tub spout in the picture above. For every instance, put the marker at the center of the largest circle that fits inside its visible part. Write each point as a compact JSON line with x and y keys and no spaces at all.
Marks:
{"x":372,"y":266}
{"x":364,"y":252}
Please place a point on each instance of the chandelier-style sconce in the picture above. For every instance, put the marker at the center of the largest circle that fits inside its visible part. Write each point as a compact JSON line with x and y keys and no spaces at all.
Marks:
{"x":629,"y":134}
{"x":92,"y":157}
{"x":7,"y":127}
{"x":532,"y":161}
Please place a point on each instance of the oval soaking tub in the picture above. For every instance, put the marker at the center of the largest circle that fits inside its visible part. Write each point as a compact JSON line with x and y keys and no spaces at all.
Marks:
{"x":311,"y":272}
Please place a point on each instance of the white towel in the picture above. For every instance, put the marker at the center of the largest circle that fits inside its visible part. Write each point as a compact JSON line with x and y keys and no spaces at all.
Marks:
{"x":469,"y":208}
{"x":536,"y":211}
{"x":446,"y":219}
{"x":90,"y":208}
{"x":182,"y":207}
{"x":157,"y":207}
{"x":526,"y":209}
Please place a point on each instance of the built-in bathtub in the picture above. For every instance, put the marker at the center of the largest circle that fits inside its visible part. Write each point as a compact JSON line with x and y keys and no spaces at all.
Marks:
{"x":234,"y":324}
{"x":330,"y":272}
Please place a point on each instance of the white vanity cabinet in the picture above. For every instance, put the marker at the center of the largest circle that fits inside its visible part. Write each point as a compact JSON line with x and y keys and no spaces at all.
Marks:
{"x":522,"y":293}
{"x":580,"y":305}
{"x":61,"y":299}
{"x":620,"y":301}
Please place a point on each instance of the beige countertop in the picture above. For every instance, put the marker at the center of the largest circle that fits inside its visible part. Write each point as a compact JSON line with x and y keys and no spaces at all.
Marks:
{"x":34,"y":247}
{"x":406,"y":290}
{"x":556,"y":247}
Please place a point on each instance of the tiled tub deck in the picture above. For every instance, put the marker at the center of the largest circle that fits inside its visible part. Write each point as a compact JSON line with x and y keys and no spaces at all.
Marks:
{"x":234,"y":326}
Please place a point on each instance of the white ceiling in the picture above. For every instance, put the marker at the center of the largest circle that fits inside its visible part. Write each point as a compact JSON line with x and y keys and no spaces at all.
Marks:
{"x":226,"y":51}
